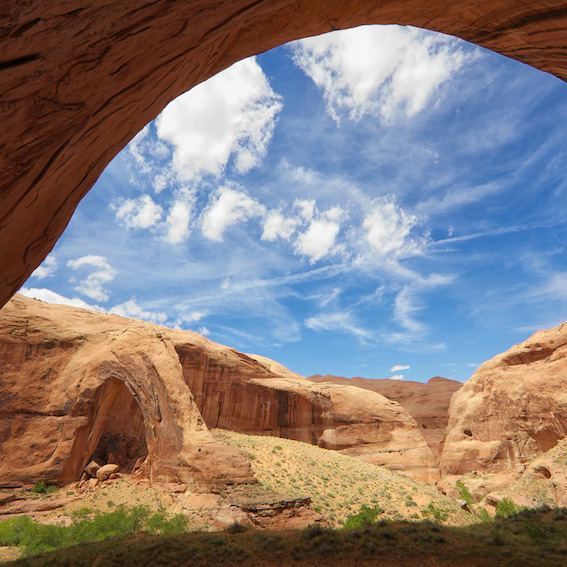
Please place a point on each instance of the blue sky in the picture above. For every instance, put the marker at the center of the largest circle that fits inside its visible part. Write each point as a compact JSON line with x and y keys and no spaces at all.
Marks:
{"x":381,"y":202}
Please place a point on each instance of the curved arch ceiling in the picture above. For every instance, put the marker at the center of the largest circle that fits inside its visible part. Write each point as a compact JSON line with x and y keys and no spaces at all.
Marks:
{"x":78,"y":82}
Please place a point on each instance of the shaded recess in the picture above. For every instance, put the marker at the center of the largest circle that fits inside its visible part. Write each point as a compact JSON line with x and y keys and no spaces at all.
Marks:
{"x":115,"y":432}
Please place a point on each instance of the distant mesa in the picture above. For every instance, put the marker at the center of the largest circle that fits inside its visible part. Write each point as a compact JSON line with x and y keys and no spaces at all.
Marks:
{"x":427,"y":403}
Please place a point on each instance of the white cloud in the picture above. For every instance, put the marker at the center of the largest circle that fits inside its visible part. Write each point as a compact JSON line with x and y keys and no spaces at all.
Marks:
{"x":129,"y":308}
{"x":140,"y":213}
{"x":232,"y":114}
{"x":193,"y":316}
{"x":389,"y":230}
{"x":378,"y":70}
{"x":227,"y":207}
{"x":49,"y":296}
{"x":132,"y":310}
{"x":343,"y":322}
{"x":135,"y":149}
{"x":398,"y":367}
{"x":306,"y":208}
{"x":47,"y":268}
{"x":204,"y":331}
{"x":277,"y":226}
{"x":177,"y":224}
{"x":397,"y":377}
{"x":406,"y":305}
{"x":319,"y":238}
{"x":93,"y":285}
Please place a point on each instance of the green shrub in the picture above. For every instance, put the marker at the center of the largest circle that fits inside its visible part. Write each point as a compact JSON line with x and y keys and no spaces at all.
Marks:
{"x":506,"y":508}
{"x":365,"y":518}
{"x":434,"y":513}
{"x":236,"y":528}
{"x":87,"y":526}
{"x":39,"y":487}
{"x":464,"y":492}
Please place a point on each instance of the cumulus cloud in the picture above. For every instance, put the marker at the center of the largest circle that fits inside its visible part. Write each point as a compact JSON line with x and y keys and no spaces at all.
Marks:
{"x":140,"y":213}
{"x":178,"y":221}
{"x":390,"y":230}
{"x":101,"y":273}
{"x":378,"y":70}
{"x":397,"y":377}
{"x":132,"y":310}
{"x":399,"y":367}
{"x":276,"y":225}
{"x":227,"y":207}
{"x":233,"y":114}
{"x":204,"y":331}
{"x":47,"y":268}
{"x":319,"y":239}
{"x":341,"y":321}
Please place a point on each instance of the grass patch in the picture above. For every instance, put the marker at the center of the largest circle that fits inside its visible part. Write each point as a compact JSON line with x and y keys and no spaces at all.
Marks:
{"x":87,"y":526}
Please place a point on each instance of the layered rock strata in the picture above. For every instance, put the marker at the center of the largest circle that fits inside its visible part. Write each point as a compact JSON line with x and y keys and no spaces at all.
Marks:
{"x":254,"y":395}
{"x":427,"y":403}
{"x":80,"y":386}
{"x":512,"y":409}
{"x":80,"y":78}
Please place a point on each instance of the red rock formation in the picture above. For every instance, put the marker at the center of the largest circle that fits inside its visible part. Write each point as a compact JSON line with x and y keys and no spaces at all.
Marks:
{"x":512,"y":409}
{"x":77,"y":384}
{"x":80,"y":78}
{"x":251,"y":394}
{"x":427,"y":403}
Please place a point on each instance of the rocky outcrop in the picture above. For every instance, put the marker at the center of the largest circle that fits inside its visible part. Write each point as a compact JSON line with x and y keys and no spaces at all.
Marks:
{"x":250,"y":394}
{"x":512,"y":409}
{"x":78,"y":385}
{"x":80,"y":79}
{"x":427,"y":403}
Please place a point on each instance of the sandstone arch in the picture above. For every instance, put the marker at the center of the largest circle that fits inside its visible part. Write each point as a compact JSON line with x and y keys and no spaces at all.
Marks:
{"x":115,"y":432}
{"x":79,"y":79}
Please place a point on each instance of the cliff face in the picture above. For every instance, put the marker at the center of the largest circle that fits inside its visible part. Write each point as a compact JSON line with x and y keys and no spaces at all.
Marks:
{"x":77,"y":384}
{"x":512,"y":409}
{"x":79,"y":79}
{"x":427,"y":403}
{"x":251,"y":394}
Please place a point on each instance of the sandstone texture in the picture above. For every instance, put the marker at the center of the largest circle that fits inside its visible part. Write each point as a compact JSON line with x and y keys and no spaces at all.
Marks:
{"x":513,"y":409}
{"x":79,"y":78}
{"x":253,"y":395}
{"x":427,"y":403}
{"x":79,"y":386}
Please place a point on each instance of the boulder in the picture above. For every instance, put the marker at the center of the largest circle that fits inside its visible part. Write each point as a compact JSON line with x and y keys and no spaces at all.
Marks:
{"x":104,"y":472}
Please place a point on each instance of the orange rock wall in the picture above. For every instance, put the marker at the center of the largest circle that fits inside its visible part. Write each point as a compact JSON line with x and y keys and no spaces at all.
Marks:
{"x":513,"y":409}
{"x":80,"y":78}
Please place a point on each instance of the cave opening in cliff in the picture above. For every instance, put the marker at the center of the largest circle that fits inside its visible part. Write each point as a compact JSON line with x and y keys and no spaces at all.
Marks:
{"x":114,"y":434}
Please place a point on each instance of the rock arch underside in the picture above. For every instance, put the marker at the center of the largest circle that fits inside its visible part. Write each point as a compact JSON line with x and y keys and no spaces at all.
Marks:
{"x":78,"y":79}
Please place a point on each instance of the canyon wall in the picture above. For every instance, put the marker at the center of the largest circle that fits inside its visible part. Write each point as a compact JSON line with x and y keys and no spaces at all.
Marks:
{"x":76,"y":383}
{"x":427,"y":403}
{"x":513,"y":409}
{"x":80,"y":78}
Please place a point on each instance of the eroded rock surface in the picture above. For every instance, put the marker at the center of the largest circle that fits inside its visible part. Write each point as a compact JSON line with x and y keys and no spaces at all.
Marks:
{"x":512,"y":409}
{"x":254,"y":395}
{"x":78,"y":384}
{"x":427,"y":403}
{"x":79,"y":79}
